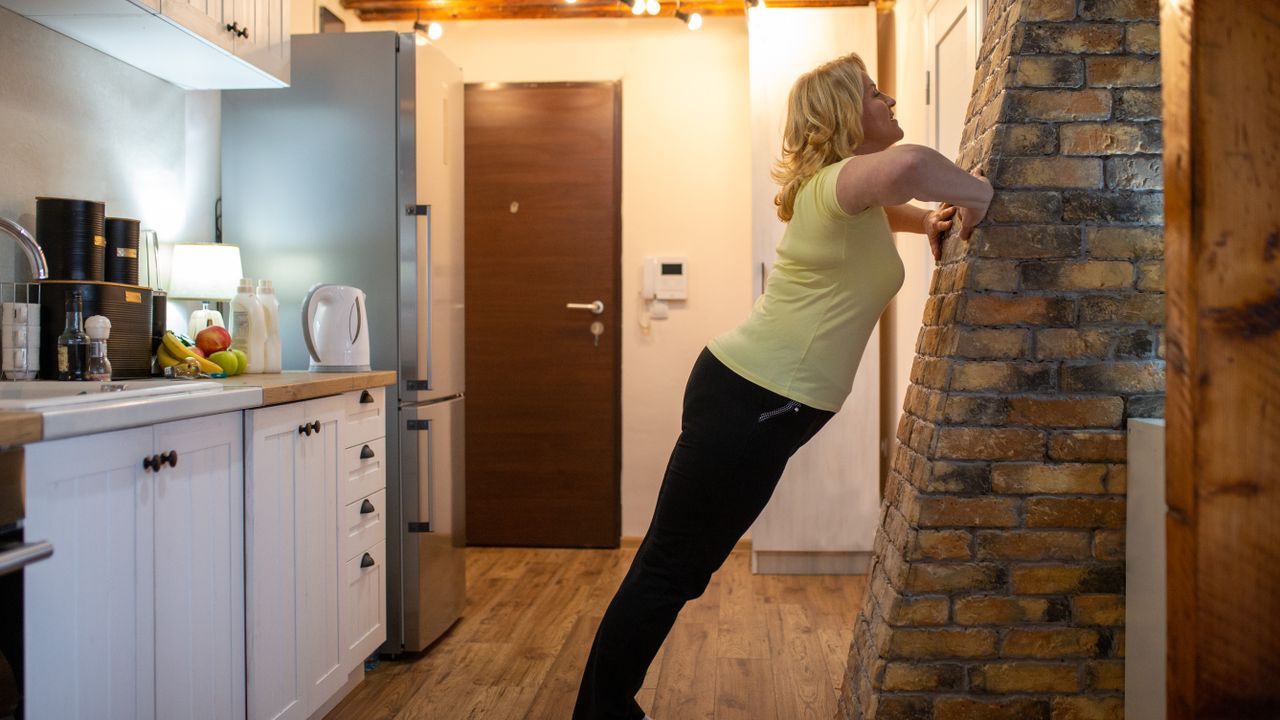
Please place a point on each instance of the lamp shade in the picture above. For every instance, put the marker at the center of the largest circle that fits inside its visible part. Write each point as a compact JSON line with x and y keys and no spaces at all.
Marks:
{"x":205,"y":271}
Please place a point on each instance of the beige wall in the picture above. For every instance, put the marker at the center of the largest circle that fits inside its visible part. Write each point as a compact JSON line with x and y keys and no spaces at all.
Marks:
{"x":908,"y":306}
{"x":686,"y":190}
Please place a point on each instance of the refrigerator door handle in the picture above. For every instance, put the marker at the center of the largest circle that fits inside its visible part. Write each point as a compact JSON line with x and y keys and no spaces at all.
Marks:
{"x":417,"y":449}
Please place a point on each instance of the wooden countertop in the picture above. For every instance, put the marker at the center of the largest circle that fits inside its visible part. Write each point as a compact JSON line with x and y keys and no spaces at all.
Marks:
{"x":295,"y":385}
{"x":18,"y":428}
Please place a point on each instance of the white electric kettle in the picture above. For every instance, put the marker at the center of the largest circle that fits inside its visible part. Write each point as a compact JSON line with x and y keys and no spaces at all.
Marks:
{"x":336,"y":328}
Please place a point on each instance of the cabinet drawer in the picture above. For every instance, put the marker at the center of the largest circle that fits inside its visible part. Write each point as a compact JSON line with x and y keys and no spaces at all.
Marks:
{"x":364,"y":524}
{"x":364,"y":470}
{"x":366,"y":415}
{"x":364,"y":605}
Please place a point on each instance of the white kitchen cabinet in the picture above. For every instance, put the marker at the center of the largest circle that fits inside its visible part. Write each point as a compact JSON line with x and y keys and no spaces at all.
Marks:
{"x":139,"y":612}
{"x":315,"y":551}
{"x":293,"y":583}
{"x":196,"y":44}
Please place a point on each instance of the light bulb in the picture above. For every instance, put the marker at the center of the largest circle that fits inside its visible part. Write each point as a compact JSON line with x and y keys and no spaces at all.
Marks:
{"x":652,"y":7}
{"x":435,"y":31}
{"x":637,"y":7}
{"x":695,"y":21}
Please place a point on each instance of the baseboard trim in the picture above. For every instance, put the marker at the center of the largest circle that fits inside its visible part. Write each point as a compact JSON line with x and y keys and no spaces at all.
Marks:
{"x":772,"y":562}
{"x":631,"y":542}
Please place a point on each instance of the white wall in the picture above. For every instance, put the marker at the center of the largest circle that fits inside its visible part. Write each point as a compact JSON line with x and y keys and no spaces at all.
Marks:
{"x":907,"y":309}
{"x":686,"y":190}
{"x":76,"y":123}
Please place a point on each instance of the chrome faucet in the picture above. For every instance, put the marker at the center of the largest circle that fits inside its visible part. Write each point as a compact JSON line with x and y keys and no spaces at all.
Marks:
{"x":35,"y":256}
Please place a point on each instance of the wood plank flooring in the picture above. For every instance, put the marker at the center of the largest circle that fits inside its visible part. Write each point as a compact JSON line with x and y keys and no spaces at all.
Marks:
{"x":758,"y":647}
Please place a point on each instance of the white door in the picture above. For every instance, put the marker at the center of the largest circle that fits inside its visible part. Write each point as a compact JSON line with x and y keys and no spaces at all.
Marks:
{"x":316,"y":523}
{"x":953,"y":29}
{"x":199,"y":569}
{"x":275,"y":687}
{"x":89,"y":646}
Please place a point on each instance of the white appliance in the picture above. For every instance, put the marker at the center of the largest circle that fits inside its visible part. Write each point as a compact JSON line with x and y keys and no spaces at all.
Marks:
{"x":353,"y":176}
{"x":336,"y":328}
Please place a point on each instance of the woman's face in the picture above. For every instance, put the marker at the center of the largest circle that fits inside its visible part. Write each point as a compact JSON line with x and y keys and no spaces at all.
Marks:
{"x":879,"y":127}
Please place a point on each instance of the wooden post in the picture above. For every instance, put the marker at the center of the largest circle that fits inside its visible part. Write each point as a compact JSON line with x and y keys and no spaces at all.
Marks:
{"x":1222,"y":252}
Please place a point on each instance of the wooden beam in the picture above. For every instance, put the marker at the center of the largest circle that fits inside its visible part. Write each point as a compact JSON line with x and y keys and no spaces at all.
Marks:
{"x":447,"y":10}
{"x":1222,"y":260}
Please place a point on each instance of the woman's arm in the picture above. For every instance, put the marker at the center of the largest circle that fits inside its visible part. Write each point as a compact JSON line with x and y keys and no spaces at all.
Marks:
{"x":933,"y":223}
{"x":911,"y":172}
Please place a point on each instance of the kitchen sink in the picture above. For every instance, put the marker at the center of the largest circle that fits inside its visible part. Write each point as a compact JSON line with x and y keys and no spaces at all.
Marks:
{"x":40,"y":395}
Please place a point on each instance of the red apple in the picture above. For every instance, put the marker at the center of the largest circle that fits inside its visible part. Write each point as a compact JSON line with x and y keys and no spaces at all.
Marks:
{"x":212,"y":339}
{"x":199,"y":352}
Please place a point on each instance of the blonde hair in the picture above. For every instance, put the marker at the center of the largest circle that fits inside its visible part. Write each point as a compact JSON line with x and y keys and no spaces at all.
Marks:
{"x":824,"y":125}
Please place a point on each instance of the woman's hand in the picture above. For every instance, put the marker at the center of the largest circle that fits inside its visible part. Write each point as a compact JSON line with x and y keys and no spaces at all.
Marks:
{"x":971,"y":215}
{"x":936,"y":224}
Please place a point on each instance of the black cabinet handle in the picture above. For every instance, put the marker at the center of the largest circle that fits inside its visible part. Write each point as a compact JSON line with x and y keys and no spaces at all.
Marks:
{"x":170,"y":457}
{"x":366,"y":452}
{"x":366,"y":561}
{"x":244,"y":32}
{"x":366,"y":507}
{"x":315,"y":426}
{"x":304,"y":429}
{"x":235,"y":29}
{"x":151,"y":463}
{"x":365,"y":397}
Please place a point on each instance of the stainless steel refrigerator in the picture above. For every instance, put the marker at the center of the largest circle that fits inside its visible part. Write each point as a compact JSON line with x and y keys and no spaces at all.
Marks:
{"x":353,"y":175}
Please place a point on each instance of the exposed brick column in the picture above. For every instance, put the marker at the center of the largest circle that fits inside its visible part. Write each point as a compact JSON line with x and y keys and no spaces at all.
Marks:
{"x":997,"y":587}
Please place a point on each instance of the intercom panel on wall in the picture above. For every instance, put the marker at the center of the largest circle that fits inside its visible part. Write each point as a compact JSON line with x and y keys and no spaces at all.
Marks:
{"x":666,"y":278}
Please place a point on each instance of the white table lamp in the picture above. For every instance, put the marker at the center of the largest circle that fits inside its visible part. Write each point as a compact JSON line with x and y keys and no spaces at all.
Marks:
{"x":207,"y":272}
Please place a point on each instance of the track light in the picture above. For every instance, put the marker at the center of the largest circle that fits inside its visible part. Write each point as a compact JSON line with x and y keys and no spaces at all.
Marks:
{"x":637,"y":7}
{"x":653,"y":7}
{"x":693,"y":20}
{"x":424,"y":31}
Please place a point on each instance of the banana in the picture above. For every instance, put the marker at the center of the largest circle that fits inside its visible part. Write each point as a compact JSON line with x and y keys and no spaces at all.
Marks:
{"x":164,"y":358}
{"x":179,"y":352}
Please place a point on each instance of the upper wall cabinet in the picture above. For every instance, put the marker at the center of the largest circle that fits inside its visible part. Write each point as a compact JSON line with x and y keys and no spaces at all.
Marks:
{"x":195,"y":44}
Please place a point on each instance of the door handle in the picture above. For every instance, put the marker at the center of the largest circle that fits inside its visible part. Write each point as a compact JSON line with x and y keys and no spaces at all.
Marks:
{"x":596,"y":307}
{"x":23,"y":555}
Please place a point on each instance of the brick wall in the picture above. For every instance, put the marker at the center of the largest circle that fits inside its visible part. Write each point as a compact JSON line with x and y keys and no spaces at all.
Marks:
{"x":997,"y":590}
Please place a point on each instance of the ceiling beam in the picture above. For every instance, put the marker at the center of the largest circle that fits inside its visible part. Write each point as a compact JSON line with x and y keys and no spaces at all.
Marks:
{"x":448,"y":10}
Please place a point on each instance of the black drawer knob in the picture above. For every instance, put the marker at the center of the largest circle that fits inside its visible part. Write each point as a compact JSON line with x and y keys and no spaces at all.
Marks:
{"x":366,"y":452}
{"x":170,"y":457}
{"x":366,"y":507}
{"x":366,"y":397}
{"x":151,"y":463}
{"x":315,"y":426}
{"x":304,"y":429}
{"x":366,"y":561}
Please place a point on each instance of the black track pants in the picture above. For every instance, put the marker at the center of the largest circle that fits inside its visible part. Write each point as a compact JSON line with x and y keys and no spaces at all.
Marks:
{"x":735,"y":440}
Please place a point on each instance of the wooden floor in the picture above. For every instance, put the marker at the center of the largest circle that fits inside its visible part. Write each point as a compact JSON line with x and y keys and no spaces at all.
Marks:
{"x":754,"y":646}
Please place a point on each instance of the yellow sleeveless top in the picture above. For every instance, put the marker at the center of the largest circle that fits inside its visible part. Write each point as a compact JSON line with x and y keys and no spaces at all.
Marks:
{"x":834,"y":276}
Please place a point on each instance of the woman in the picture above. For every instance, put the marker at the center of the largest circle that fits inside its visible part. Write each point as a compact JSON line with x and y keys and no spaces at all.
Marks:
{"x":761,"y":390}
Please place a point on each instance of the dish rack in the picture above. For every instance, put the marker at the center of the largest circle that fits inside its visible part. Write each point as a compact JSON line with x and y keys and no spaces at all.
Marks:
{"x":19,"y":330}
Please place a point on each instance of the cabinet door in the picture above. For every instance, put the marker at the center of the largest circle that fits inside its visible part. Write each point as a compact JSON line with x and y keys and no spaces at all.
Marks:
{"x":275,"y":687}
{"x":199,"y":569}
{"x":88,"y":609}
{"x":264,"y":42}
{"x":364,"y":606}
{"x":207,"y":18}
{"x":316,"y":522}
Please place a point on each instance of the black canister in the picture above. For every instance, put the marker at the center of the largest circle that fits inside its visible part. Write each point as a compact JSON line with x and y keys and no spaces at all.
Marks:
{"x":72,"y":234}
{"x":122,"y":251}
{"x":159,"y":323}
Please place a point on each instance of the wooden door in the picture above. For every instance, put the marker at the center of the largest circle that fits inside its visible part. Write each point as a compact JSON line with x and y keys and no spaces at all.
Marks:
{"x":199,"y":569}
{"x":543,"y":230}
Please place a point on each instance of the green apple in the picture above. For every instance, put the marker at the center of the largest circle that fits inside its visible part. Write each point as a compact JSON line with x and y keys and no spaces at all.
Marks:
{"x":228,"y":361}
{"x":244,"y":360}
